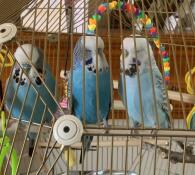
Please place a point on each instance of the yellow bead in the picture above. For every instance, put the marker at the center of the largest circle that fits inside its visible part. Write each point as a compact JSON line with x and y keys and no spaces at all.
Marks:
{"x":166,"y":68}
{"x":112,"y":5}
{"x":114,"y":2}
{"x":144,"y":19}
{"x":148,"y":21}
{"x":92,"y":27}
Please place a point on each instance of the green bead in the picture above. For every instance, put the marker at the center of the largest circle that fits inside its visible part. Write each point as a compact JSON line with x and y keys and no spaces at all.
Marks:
{"x":156,"y":38}
{"x":97,"y":17}
{"x":119,"y":4}
{"x":141,"y":15}
{"x":166,"y":59}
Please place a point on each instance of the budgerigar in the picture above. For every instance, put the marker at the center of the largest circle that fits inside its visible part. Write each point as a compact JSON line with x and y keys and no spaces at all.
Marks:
{"x":22,"y":81}
{"x":185,"y":20}
{"x":136,"y":61}
{"x":104,"y":84}
{"x":171,"y":23}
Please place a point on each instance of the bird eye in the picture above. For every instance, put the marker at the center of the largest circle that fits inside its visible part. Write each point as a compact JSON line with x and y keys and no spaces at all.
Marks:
{"x":38,"y":81}
{"x":138,"y":62}
{"x":40,"y":71}
{"x":26,"y":66}
{"x":125,"y":52}
{"x":99,"y":50}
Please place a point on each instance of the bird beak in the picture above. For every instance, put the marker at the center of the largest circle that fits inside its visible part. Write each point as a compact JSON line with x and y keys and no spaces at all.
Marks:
{"x":132,"y":70}
{"x":26,"y":67}
{"x":38,"y":80}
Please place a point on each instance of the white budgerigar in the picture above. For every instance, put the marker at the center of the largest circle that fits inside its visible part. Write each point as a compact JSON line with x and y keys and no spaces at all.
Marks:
{"x":181,"y":20}
{"x":171,"y":23}
{"x":137,"y":61}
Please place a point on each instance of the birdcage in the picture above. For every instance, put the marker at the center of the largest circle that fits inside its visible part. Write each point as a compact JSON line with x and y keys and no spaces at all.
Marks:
{"x":97,"y":87}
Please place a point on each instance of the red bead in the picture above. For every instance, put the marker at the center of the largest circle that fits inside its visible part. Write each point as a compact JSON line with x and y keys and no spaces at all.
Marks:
{"x":164,"y":53}
{"x":101,"y":9}
{"x":153,"y":30}
{"x":134,"y":9}
{"x":128,"y":7}
{"x":167,"y":78}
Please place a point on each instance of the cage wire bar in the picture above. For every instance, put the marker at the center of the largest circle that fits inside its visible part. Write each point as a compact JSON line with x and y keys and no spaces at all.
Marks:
{"x":122,"y":147}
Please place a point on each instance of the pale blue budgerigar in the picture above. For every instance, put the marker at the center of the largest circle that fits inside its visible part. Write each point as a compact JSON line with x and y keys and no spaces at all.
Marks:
{"x":137,"y":61}
{"x":22,"y":81}
{"x":104,"y":84}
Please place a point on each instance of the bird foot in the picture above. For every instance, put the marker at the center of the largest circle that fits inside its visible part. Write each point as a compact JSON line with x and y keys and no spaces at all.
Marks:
{"x":106,"y":126}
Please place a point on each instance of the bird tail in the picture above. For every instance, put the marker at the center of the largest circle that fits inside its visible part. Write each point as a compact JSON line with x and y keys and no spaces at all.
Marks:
{"x":32,"y":138}
{"x":71,"y":158}
{"x":86,"y":142}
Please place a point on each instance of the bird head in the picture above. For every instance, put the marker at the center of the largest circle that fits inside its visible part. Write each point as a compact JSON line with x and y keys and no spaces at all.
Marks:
{"x":137,"y":54}
{"x":28,"y":56}
{"x":92,"y":48}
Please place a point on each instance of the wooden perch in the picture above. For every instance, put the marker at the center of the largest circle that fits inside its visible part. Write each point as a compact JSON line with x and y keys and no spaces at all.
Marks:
{"x":173,"y":95}
{"x":177,"y":157}
{"x":116,"y":143}
{"x":187,"y":98}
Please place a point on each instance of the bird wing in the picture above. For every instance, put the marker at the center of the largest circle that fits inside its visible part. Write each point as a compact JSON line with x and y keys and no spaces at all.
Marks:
{"x":161,"y":92}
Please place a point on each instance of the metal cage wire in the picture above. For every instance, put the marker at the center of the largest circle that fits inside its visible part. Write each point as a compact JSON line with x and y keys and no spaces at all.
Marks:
{"x":122,"y":147}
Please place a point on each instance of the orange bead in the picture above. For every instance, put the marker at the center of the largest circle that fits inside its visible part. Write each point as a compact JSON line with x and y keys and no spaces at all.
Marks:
{"x":92,"y":21}
{"x":166,"y":64}
{"x":157,"y":42}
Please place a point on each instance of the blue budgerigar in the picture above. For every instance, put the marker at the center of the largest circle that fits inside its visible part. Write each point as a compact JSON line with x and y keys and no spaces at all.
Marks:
{"x":30,"y":80}
{"x":137,"y":61}
{"x":89,"y":50}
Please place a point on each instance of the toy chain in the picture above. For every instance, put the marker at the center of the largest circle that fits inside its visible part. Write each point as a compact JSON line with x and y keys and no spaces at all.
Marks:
{"x":142,"y":18}
{"x":64,"y":102}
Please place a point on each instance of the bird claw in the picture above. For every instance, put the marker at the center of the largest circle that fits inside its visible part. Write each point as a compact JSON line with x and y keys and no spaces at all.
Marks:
{"x":105,"y":124}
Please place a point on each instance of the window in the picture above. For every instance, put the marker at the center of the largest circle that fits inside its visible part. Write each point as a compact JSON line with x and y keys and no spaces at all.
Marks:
{"x":52,"y":16}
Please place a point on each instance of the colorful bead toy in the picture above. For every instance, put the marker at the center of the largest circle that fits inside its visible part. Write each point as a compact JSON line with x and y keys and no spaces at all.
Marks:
{"x":112,"y":5}
{"x":101,"y":9}
{"x":143,"y":18}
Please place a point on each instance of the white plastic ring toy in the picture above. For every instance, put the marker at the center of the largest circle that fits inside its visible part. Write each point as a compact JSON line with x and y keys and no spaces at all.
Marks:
{"x":7,"y":32}
{"x":68,"y":130}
